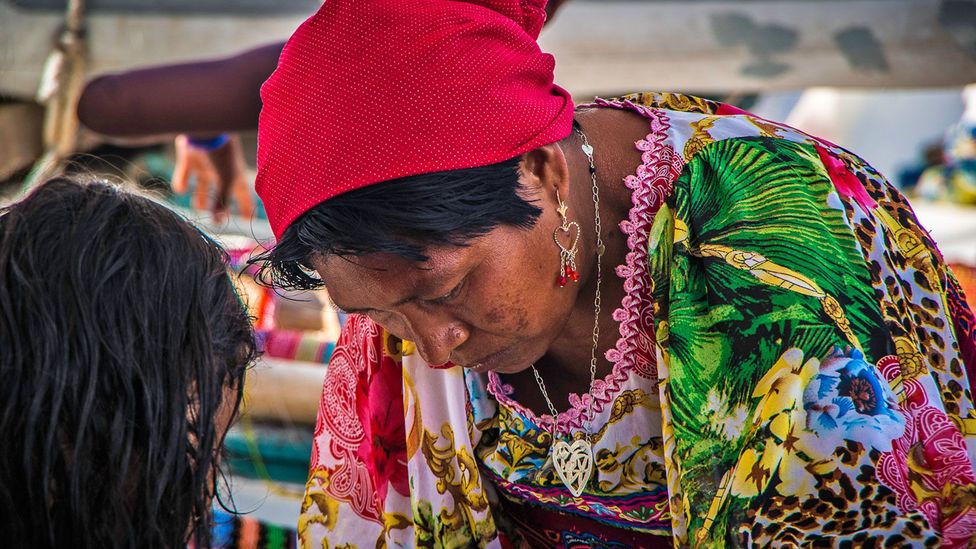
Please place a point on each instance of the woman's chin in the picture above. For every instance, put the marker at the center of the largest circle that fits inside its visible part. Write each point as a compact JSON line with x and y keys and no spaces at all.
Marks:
{"x":513,"y":368}
{"x":509,"y":367}
{"x":501,"y":362}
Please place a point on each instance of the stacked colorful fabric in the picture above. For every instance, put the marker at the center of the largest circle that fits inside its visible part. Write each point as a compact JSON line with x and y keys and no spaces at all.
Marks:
{"x":260,"y":300}
{"x":271,"y":453}
{"x":296,"y":345}
{"x":273,"y":443}
{"x":239,"y":532}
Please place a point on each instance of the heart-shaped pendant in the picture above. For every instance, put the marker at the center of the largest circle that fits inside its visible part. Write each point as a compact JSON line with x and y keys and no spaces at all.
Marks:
{"x":570,"y":232}
{"x":573,"y":463}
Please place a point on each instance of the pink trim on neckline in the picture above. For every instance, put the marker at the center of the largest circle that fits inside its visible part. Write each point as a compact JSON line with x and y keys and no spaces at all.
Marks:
{"x":635,"y":349}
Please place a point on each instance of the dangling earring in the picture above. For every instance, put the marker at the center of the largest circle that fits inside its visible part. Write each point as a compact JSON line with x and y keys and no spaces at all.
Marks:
{"x":567,"y":253}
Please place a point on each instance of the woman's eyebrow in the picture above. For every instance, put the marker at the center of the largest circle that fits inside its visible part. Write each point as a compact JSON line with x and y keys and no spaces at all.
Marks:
{"x":416,"y":296}
{"x":400,"y":303}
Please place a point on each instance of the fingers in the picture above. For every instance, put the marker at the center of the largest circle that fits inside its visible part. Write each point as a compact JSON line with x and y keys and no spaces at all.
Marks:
{"x":206,"y":177}
{"x":221,"y":176}
{"x":180,"y":179}
{"x":232,"y":178}
{"x":244,"y":198}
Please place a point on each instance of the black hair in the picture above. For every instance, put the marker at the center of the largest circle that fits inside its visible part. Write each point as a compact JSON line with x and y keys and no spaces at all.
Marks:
{"x":120,"y":332}
{"x":401,"y":217}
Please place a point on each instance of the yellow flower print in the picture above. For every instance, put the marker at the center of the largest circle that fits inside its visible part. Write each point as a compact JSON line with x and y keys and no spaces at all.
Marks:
{"x":397,"y":348}
{"x":781,"y":389}
{"x":392,"y":521}
{"x":781,"y":411}
{"x":800,"y":460}
{"x":780,"y":407}
{"x":753,"y":472}
{"x":412,"y":417}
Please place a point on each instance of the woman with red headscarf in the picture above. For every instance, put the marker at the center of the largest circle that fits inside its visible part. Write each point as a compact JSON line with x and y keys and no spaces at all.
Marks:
{"x":646,"y":321}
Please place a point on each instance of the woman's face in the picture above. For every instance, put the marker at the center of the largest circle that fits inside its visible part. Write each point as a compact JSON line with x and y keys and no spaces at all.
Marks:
{"x":493,"y":305}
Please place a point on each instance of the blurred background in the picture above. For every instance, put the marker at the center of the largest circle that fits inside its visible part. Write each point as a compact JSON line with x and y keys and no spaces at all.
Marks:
{"x":892,"y":80}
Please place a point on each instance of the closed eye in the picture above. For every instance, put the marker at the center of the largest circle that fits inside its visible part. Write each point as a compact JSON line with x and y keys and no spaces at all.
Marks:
{"x":454,"y":293}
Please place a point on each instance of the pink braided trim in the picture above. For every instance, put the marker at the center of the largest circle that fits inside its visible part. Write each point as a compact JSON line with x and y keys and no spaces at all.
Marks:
{"x":635,"y":349}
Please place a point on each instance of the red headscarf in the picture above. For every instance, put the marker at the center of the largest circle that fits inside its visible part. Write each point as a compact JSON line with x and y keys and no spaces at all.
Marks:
{"x":372,"y":90}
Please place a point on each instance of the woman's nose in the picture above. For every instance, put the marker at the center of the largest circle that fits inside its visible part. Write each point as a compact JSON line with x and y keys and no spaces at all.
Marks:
{"x":436,"y":343}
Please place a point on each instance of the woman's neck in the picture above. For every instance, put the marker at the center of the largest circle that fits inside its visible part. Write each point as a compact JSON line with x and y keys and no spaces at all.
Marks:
{"x":566,"y":365}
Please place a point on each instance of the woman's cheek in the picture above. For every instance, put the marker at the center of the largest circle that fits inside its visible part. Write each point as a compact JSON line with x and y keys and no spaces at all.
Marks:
{"x":392,"y":324}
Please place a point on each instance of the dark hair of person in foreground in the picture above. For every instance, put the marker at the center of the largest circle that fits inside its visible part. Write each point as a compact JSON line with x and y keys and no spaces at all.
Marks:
{"x":123,"y":347}
{"x":401,"y":217}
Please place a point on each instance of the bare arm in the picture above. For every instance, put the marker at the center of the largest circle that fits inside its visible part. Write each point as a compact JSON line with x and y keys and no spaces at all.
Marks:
{"x":200,"y":98}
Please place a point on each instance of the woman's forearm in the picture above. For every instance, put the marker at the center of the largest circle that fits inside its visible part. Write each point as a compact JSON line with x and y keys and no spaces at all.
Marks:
{"x":203,"y":97}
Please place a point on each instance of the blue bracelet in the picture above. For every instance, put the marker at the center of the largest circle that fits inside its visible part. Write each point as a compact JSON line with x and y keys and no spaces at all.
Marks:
{"x":211,"y":144}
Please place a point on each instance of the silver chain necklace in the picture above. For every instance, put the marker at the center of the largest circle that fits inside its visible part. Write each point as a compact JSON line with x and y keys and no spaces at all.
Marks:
{"x":574,"y":462}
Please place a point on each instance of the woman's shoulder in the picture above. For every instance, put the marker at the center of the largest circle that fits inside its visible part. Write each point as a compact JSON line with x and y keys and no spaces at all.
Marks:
{"x":670,"y":101}
{"x":686,"y":125}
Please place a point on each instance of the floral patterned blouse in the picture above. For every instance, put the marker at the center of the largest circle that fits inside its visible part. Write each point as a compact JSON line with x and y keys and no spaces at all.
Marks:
{"x":793,"y":368}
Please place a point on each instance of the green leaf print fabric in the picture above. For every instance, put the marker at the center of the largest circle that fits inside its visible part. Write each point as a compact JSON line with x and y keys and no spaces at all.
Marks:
{"x":770,"y":332}
{"x":751,"y":204}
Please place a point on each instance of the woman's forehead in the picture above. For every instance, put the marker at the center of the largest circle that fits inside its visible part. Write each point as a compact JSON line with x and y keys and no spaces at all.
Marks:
{"x":388,"y":276}
{"x":439,"y":259}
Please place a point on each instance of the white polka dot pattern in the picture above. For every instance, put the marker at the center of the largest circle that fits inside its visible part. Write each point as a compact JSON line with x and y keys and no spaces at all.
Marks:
{"x":372,"y":90}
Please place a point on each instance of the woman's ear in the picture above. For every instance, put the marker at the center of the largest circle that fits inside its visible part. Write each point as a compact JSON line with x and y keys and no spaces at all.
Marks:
{"x":545,"y":169}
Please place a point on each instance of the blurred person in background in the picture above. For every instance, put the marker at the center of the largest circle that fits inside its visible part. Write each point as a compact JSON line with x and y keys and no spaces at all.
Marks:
{"x":954,"y":178}
{"x":932,"y":155}
{"x":123,"y":348}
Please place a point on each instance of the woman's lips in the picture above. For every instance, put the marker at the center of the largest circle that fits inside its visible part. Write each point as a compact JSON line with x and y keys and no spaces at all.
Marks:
{"x":484,"y":364}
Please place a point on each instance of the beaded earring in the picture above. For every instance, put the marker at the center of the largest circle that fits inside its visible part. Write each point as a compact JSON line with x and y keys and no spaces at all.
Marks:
{"x":566,"y":237}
